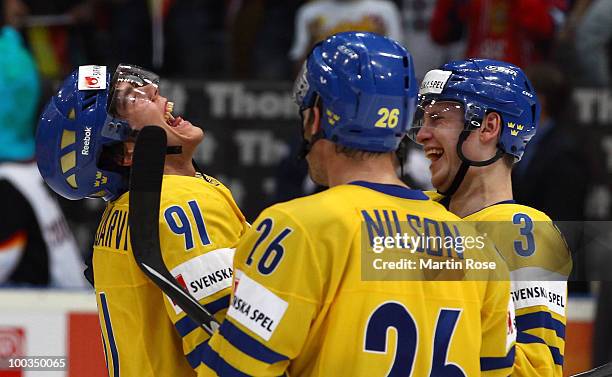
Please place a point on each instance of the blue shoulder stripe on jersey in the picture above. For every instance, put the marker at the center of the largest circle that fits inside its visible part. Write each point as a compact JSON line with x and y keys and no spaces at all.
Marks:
{"x":393,"y":190}
{"x":525,"y":338}
{"x":540,"y":320}
{"x":215,"y":362}
{"x":186,"y":325}
{"x":492,"y":363}
{"x":248,"y":345}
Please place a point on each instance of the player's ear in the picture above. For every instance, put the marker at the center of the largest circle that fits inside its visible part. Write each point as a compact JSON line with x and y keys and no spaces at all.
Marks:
{"x":491,"y":127}
{"x":316,"y":119}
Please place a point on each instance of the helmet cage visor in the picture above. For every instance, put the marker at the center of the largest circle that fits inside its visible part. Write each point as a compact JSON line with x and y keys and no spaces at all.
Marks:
{"x":127,"y":85}
{"x":433,"y":112}
{"x":302,"y":95}
{"x":133,"y":75}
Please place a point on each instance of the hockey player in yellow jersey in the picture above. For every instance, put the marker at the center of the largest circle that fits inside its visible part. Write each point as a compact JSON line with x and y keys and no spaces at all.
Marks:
{"x":311,"y":297}
{"x":84,"y":145}
{"x":474,"y":120}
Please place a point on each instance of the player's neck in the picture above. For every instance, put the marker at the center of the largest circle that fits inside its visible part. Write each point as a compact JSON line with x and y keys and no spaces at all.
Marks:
{"x":481,"y":188}
{"x":179,"y":165}
{"x":378,"y":169}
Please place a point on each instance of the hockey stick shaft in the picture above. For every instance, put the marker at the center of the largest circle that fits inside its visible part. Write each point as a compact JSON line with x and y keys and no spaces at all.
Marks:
{"x":145,"y":194}
{"x":602,"y":371}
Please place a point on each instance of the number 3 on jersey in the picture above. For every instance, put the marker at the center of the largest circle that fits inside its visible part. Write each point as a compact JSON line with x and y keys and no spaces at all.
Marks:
{"x":526,"y":246}
{"x":271,"y":257}
{"x":394,"y":314}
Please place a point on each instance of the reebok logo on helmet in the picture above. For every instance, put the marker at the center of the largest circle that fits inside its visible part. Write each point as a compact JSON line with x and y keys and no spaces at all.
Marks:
{"x":86,"y":141}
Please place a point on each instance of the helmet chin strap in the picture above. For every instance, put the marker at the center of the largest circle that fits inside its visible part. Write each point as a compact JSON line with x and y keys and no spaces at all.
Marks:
{"x":401,"y":152}
{"x":307,"y":145}
{"x":174,"y":149}
{"x":465,"y":164}
{"x":178,"y":149}
{"x":171,"y":149}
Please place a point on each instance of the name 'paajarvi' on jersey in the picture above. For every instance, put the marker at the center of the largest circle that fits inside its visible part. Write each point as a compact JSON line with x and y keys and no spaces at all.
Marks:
{"x":113,"y":230}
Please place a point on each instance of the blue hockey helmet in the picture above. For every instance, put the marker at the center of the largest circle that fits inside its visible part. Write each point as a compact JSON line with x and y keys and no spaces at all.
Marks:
{"x":77,"y":126}
{"x":367,"y":87}
{"x":483,"y":86}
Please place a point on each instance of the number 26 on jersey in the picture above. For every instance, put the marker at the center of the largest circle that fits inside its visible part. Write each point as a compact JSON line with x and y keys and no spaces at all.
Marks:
{"x":268,"y":260}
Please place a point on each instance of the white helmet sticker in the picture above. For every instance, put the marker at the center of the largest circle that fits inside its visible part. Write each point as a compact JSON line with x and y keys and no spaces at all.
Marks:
{"x":92,"y":77}
{"x":434,"y":81}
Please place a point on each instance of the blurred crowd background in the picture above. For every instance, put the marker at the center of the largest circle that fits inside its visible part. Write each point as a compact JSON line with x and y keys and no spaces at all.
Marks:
{"x":229,"y":66}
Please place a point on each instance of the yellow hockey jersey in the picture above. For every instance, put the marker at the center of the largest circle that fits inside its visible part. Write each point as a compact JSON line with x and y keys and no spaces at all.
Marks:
{"x":540,"y":263}
{"x":144,"y":333}
{"x":302,"y":301}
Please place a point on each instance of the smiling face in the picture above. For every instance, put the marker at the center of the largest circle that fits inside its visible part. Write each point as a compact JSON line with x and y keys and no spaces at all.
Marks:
{"x":143,"y":106}
{"x":441,"y":126}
